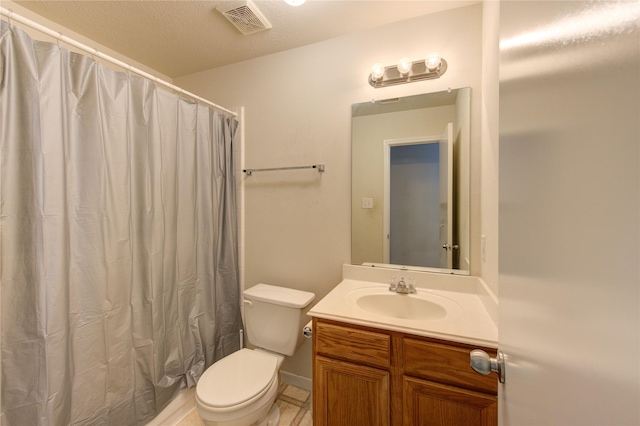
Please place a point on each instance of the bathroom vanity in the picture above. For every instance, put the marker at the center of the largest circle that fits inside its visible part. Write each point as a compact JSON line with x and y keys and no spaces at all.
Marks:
{"x":376,"y":365}
{"x":367,"y":376}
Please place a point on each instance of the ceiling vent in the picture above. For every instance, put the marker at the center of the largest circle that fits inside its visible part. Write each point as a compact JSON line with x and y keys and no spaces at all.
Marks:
{"x":245,"y":16}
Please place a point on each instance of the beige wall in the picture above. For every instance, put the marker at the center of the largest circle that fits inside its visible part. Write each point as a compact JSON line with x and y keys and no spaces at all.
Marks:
{"x":489,"y":142}
{"x":298,"y":111}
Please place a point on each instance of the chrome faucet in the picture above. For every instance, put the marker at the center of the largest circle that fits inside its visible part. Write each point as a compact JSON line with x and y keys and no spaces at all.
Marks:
{"x":402,"y":287}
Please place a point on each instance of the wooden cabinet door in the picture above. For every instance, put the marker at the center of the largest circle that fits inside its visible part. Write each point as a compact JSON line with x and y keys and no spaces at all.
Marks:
{"x":350,"y":394}
{"x":432,"y":404}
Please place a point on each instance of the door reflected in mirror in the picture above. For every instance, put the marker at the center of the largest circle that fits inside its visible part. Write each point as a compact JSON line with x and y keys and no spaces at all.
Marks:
{"x":410,"y":182}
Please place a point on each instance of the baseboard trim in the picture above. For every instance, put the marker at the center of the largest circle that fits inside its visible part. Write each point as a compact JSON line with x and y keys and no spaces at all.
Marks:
{"x":295,"y":380}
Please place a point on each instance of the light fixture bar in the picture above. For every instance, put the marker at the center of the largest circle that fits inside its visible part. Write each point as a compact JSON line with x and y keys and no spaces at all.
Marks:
{"x":418,"y":72}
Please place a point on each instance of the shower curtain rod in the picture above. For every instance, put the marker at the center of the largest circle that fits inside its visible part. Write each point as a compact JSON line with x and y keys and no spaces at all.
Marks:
{"x":12,"y":16}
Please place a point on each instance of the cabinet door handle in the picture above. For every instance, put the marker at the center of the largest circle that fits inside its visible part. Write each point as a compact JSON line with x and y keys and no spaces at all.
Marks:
{"x":482,"y":363}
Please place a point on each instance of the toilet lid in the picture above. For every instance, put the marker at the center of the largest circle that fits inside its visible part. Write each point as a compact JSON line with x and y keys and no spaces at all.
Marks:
{"x":237,"y":378}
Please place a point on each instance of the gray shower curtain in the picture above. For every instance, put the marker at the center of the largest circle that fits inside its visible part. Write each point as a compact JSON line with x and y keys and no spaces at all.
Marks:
{"x":118,"y":239}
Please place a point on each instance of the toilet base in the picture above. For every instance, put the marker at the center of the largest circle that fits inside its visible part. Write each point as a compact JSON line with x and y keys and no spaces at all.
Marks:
{"x":273,"y":417}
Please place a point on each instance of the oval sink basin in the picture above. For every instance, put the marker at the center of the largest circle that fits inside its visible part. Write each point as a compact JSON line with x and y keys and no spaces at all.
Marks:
{"x":414,"y":307}
{"x":403,"y":307}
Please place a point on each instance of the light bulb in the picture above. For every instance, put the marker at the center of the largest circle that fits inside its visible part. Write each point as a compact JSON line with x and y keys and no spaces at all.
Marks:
{"x":377,"y":71}
{"x":404,"y":65}
{"x":295,"y":2}
{"x":433,"y":61}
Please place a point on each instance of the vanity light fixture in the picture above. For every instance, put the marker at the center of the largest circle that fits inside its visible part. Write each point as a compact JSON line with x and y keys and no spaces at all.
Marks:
{"x":404,"y":65}
{"x":433,"y":61}
{"x":407,"y":71}
{"x":377,"y":71}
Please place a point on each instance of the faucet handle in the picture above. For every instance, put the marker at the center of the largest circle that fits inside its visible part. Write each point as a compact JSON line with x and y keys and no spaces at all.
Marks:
{"x":411,"y":283}
{"x":392,"y":284}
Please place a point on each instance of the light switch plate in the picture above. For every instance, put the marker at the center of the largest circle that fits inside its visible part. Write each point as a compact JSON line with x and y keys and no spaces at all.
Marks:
{"x":367,"y":203}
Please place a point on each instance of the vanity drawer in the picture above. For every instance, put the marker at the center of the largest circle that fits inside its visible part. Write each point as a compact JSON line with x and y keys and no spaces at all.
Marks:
{"x":446,"y":364}
{"x":366,"y":347}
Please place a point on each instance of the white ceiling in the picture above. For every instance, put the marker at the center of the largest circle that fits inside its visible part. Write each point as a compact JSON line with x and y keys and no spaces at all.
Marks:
{"x":182,"y":37}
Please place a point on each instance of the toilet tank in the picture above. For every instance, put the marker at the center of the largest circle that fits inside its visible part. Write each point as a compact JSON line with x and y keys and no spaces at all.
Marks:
{"x":274,"y":317}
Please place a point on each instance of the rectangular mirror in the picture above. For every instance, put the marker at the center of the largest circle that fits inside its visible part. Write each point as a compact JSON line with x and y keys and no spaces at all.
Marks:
{"x":410,"y":182}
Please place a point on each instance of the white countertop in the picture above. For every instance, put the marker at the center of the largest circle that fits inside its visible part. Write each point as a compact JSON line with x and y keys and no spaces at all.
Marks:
{"x":470,"y":324}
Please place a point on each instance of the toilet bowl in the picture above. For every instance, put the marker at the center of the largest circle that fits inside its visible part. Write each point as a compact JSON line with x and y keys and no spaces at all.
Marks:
{"x":240,"y":389}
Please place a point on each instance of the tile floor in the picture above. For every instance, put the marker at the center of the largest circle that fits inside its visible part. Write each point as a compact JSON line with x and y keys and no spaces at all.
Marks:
{"x":294,"y":403}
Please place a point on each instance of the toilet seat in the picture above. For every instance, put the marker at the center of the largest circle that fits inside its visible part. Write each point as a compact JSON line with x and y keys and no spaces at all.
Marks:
{"x":246,"y":374}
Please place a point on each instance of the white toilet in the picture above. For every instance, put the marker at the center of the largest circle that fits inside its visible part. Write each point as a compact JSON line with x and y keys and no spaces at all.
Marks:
{"x":240,"y":389}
